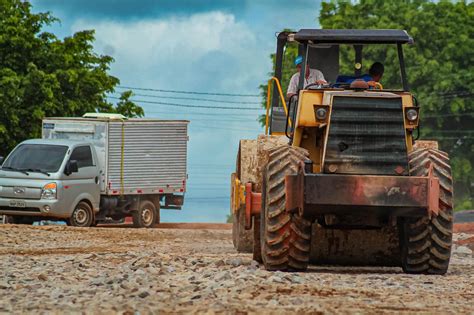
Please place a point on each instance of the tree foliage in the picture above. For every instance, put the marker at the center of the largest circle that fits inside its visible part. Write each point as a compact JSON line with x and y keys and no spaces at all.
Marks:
{"x":41,"y":75}
{"x":440,"y":68}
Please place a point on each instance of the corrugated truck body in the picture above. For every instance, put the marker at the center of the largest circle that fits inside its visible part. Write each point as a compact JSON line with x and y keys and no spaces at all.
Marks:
{"x":139,"y":156}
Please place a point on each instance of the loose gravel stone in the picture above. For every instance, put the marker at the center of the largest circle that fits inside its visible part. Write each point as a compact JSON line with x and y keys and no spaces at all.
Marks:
{"x":463,"y":251}
{"x":55,"y":269}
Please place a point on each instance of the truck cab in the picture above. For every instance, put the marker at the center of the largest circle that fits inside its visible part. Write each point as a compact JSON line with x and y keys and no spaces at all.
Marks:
{"x":50,"y":178}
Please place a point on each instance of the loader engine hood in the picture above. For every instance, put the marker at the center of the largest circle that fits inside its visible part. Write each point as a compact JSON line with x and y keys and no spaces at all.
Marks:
{"x":366,"y":134}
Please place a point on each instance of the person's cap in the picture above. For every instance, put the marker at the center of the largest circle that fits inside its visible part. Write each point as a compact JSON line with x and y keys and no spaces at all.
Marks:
{"x":298,"y":60}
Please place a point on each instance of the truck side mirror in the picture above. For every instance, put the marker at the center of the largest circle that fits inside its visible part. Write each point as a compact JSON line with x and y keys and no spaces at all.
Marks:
{"x":71,"y":167}
{"x":1,"y":160}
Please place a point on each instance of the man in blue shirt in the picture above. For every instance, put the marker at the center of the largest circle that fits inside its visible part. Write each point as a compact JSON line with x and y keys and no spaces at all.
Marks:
{"x":374,"y":76}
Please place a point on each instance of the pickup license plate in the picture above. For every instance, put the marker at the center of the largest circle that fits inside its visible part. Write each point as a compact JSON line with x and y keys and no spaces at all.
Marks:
{"x":17,"y":203}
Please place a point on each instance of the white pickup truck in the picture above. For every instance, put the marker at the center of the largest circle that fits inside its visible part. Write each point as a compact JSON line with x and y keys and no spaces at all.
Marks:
{"x":86,"y":170}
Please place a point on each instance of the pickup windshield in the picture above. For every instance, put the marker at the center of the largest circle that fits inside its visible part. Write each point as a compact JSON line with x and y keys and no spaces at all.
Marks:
{"x":37,"y":157}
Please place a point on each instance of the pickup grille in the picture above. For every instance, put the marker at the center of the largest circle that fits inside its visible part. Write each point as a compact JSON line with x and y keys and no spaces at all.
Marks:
{"x":366,"y":136}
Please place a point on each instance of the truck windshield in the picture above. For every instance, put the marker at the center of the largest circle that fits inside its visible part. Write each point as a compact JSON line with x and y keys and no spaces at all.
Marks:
{"x":38,"y":157}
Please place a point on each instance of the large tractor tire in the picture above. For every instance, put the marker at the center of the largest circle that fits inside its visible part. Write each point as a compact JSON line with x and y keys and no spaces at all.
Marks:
{"x":285,"y":237}
{"x":426,"y":243}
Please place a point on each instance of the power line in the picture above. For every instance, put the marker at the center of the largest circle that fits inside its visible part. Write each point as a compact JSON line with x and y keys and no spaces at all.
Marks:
{"x":227,"y":114}
{"x":447,"y":115}
{"x":224,"y":119}
{"x":187,"y":92}
{"x":205,"y":127}
{"x":193,"y":106}
{"x":195,"y":99}
{"x":451,"y":131}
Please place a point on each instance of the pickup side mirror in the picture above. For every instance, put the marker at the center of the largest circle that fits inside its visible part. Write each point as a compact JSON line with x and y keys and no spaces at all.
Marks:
{"x":71,"y":167}
{"x":1,"y":160}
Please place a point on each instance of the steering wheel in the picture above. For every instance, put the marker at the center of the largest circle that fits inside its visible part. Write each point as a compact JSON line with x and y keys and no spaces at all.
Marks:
{"x":316,"y":86}
{"x":378,"y":86}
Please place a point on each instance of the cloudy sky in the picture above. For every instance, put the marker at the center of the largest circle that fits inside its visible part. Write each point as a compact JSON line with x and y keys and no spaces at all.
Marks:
{"x":219,"y":46}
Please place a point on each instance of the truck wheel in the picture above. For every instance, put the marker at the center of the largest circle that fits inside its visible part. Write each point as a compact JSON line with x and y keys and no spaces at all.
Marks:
{"x":426,"y":243}
{"x":285,"y":237}
{"x":82,"y":216}
{"x":146,"y":215}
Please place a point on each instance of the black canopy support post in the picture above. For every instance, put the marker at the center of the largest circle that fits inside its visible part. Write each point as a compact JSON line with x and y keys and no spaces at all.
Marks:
{"x":303,"y":67}
{"x":358,"y":60}
{"x":402,"y":68}
{"x":281,"y":42}
{"x":300,"y":49}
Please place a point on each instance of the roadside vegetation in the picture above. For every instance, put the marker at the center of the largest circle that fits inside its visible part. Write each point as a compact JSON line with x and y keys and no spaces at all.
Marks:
{"x":44,"y":76}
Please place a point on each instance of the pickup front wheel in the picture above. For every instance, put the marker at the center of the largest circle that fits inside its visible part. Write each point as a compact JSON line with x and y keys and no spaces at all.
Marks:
{"x":82,"y":216}
{"x":146,"y":216}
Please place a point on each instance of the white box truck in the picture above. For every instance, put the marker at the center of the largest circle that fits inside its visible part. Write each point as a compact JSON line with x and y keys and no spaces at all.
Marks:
{"x":86,"y":170}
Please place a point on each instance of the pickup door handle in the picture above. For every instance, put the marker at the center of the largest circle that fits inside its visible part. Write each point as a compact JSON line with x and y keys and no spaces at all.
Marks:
{"x":97,"y":179}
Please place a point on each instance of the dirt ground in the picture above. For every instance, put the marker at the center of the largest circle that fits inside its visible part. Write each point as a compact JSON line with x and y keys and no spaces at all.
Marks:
{"x":58,"y":269}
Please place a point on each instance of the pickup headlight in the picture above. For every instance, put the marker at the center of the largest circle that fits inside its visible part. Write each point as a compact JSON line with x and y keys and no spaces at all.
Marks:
{"x":49,"y":191}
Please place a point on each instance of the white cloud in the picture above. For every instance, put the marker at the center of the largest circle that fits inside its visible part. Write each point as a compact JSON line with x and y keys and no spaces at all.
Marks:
{"x":208,"y":52}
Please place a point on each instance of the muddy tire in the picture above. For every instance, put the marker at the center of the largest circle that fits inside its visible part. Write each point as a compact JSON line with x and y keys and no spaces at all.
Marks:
{"x":285,"y":237}
{"x":257,"y":248}
{"x":242,"y":238}
{"x":82,"y":216}
{"x":146,"y":216}
{"x":426,"y":243}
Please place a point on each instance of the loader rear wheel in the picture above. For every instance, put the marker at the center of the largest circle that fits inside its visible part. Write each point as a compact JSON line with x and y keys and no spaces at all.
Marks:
{"x":257,"y":248}
{"x":241,"y":237}
{"x":285,"y":237}
{"x":426,"y":243}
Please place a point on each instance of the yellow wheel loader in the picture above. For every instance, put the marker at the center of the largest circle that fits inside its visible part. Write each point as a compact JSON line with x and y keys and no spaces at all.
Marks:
{"x":339,"y":176}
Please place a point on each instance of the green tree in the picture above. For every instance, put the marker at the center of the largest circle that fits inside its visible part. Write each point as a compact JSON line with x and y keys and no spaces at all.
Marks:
{"x":41,"y":75}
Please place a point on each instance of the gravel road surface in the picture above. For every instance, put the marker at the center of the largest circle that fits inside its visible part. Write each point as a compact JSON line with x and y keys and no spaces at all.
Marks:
{"x":58,"y":269}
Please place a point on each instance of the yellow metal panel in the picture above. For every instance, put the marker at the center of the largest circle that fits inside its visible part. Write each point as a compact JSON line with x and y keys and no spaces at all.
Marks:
{"x":407,"y":101}
{"x":305,"y":115}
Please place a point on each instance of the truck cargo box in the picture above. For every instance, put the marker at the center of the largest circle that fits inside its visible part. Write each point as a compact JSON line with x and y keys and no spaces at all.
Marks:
{"x":136,"y":156}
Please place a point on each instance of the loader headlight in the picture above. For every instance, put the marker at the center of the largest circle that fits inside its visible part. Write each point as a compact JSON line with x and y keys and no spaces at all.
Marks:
{"x":321,"y":113}
{"x":412,"y":114}
{"x":49,"y":191}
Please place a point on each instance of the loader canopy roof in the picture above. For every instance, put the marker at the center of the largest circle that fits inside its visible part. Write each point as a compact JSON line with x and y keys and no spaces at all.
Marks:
{"x":353,"y":36}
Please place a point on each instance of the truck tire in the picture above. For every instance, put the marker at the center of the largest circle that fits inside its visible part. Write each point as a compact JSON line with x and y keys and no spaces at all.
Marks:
{"x":146,"y":215}
{"x":426,"y":243}
{"x":285,"y":237}
{"x":82,"y":216}
{"x":241,"y":238}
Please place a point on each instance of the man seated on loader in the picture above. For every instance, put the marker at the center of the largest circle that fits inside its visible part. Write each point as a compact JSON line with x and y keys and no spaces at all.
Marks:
{"x":373,"y":78}
{"x":312,"y":76}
